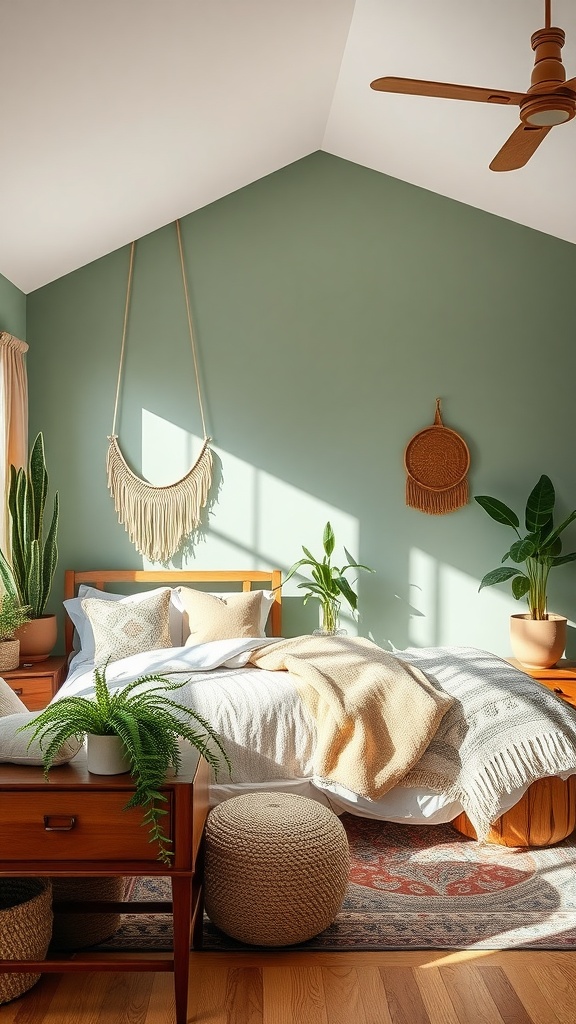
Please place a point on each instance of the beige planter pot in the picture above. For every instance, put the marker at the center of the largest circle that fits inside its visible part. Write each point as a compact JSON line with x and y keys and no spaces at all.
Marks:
{"x":37,"y":638}
{"x":106,"y":755}
{"x":538,"y":643}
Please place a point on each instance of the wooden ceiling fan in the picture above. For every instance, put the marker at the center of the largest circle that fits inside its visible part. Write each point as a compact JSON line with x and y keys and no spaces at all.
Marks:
{"x":549,"y":101}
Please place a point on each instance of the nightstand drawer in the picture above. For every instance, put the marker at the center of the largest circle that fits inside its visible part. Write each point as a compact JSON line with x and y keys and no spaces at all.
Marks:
{"x":35,"y":692}
{"x":49,"y":824}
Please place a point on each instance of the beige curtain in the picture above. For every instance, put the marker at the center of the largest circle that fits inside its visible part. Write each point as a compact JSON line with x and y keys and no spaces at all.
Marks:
{"x":13,"y":419}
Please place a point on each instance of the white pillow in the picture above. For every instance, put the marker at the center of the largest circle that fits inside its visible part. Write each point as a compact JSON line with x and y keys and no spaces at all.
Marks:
{"x":14,"y":745}
{"x":84,"y":633}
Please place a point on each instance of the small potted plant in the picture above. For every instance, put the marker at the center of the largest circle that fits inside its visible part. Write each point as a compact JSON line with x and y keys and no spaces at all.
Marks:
{"x":12,"y":616}
{"x":29,"y":572}
{"x":538,"y":637}
{"x":329,"y":583}
{"x":142,"y":725}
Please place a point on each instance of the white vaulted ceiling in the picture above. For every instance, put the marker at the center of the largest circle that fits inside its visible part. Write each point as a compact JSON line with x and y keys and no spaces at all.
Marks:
{"x":117,"y":116}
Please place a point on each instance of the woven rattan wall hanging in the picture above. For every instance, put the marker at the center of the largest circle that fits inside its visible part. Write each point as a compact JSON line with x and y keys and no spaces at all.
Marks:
{"x":437,"y":461}
{"x":158,"y":519}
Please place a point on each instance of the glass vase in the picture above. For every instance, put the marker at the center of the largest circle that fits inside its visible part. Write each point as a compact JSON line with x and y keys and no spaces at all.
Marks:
{"x":330,"y":620}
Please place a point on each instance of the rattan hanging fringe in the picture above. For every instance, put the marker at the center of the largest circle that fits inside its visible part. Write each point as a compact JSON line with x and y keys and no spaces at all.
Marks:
{"x":437,"y":460}
{"x":158,"y":519}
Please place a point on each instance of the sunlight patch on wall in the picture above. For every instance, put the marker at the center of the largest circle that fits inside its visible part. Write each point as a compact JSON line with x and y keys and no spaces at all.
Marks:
{"x":256,"y":520}
{"x":448,"y":610}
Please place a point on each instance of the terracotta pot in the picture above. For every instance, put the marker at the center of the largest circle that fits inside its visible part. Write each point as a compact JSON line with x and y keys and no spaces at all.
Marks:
{"x":106,"y":755}
{"x":538,"y":643}
{"x":37,"y":638}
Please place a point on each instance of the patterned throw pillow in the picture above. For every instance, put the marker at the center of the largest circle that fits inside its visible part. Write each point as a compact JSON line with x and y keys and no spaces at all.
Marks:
{"x":121,"y":630}
{"x":217,"y":618}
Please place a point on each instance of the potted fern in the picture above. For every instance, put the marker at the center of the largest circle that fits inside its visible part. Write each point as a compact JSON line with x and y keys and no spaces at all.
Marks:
{"x":538,"y":637}
{"x":12,"y":616}
{"x":142,"y":725}
{"x":29,"y":571}
{"x":329,"y":584}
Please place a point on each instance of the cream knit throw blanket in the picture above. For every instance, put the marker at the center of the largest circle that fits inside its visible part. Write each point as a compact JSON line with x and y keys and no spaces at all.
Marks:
{"x":375,"y":716}
{"x":503,"y":731}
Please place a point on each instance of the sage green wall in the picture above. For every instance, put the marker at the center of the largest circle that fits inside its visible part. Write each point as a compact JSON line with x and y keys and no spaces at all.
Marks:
{"x":12,"y":309}
{"x":332,"y":305}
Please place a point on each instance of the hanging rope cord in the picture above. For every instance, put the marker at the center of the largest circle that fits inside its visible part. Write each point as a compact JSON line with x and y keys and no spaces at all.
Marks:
{"x":158,"y":518}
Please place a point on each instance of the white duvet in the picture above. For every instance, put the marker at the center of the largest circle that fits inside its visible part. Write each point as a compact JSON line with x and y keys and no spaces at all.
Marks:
{"x":267,"y":731}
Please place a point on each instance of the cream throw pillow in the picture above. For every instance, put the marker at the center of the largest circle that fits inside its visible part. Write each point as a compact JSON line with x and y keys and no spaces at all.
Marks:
{"x":10,"y":703}
{"x":121,"y":630}
{"x":219,"y":618}
{"x":13,"y":744}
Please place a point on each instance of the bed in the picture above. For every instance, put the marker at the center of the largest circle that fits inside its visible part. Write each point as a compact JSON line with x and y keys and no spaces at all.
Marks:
{"x":506,"y":745}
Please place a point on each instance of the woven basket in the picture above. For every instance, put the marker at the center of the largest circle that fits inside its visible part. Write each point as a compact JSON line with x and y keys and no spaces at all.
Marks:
{"x":9,"y":655}
{"x":437,"y":460}
{"x":276,"y":868}
{"x":75,"y":931}
{"x":25,"y":929}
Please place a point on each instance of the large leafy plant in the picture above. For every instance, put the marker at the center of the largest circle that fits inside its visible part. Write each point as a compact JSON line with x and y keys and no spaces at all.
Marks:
{"x":329,"y":583}
{"x":29,"y":572}
{"x":149,"y":723}
{"x":537,"y":552}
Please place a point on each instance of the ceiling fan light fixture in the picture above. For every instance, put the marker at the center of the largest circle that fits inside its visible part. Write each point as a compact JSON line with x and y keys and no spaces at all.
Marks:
{"x":545,"y":111}
{"x":545,"y":118}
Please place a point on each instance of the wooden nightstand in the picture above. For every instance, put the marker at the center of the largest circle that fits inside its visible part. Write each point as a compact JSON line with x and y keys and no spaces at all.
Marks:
{"x":36,"y":682}
{"x":76,"y":826}
{"x":561,"y":679}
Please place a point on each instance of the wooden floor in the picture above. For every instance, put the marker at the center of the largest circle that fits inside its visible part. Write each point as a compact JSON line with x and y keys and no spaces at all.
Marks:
{"x":434,"y":987}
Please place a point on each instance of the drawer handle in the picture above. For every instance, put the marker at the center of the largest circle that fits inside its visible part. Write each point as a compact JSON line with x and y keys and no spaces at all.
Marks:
{"x":558,"y":690}
{"x":18,"y":691}
{"x":58,"y":823}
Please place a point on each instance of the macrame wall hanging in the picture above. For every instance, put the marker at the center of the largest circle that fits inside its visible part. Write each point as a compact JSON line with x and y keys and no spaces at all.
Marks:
{"x":437,"y":461}
{"x":158,"y":519}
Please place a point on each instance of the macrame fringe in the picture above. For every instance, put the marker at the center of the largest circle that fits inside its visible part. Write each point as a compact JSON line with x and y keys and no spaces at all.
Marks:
{"x":157,"y":519}
{"x":436,"y":503}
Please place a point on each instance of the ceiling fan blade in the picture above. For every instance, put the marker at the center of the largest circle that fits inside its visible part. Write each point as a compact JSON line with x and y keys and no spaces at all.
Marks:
{"x":518,"y":149}
{"x":444,"y":90}
{"x":571,"y":84}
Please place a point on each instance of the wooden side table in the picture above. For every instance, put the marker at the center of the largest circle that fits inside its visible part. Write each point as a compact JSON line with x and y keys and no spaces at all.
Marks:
{"x":37,"y":682}
{"x":561,"y":679}
{"x":75,"y":825}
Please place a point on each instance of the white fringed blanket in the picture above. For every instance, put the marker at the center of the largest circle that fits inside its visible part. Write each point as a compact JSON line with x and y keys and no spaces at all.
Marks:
{"x":504,"y":731}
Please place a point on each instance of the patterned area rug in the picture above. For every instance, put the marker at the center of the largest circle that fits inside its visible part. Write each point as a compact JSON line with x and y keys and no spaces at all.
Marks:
{"x":418,"y":887}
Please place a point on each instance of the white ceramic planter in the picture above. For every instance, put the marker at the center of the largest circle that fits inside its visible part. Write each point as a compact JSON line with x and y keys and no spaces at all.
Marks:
{"x":106,"y":755}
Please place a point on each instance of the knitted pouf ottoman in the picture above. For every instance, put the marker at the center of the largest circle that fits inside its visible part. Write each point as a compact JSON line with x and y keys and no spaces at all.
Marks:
{"x":276,"y":868}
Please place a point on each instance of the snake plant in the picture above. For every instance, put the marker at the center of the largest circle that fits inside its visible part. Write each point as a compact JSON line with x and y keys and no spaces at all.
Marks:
{"x":148,"y":722}
{"x":29,"y":572}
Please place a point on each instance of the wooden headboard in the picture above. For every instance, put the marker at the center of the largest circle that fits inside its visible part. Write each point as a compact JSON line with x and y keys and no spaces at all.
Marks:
{"x":100,"y":578}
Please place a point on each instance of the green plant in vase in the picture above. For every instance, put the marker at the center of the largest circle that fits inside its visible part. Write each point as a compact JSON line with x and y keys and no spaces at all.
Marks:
{"x":148,"y":723}
{"x":329,"y":584}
